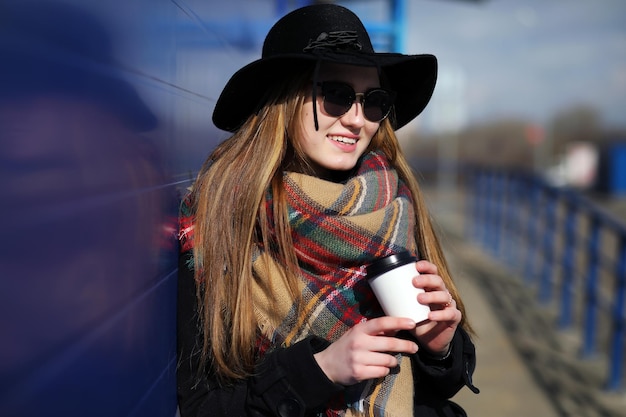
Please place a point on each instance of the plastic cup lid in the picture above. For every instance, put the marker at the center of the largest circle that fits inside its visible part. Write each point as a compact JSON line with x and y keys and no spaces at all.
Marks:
{"x":386,"y":264}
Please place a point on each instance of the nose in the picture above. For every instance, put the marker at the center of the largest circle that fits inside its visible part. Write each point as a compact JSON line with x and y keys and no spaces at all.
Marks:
{"x":354,"y":116}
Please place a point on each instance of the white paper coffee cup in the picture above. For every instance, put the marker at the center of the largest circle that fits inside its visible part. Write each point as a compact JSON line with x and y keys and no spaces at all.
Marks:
{"x":391,"y":280}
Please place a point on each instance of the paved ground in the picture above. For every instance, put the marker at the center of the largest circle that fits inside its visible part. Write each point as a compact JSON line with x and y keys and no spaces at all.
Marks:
{"x":507,"y":387}
{"x":523,"y":367}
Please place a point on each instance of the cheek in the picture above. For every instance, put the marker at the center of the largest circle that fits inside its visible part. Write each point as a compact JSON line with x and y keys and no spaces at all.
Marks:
{"x":306,"y":110}
{"x":371,"y":131}
{"x":305,"y":125}
{"x":306,"y":116}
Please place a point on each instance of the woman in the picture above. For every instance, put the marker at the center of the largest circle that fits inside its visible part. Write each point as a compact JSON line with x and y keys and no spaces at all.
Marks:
{"x":275,"y":316}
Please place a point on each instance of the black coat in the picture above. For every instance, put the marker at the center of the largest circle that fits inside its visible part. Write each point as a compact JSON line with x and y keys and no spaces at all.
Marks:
{"x":288,"y":382}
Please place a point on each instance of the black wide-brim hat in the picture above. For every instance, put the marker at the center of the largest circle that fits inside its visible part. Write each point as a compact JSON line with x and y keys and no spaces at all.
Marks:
{"x":323,"y":33}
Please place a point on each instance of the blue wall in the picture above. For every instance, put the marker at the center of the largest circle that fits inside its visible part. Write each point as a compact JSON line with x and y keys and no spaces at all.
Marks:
{"x":105,"y":116}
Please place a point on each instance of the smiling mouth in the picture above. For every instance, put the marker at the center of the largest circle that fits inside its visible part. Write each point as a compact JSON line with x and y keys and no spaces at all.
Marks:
{"x":343,"y":139}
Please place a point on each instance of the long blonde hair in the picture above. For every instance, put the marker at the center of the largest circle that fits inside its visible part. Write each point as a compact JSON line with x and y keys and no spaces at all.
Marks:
{"x":230,"y":220}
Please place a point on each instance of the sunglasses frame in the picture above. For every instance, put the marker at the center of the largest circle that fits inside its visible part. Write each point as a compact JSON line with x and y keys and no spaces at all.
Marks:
{"x":361,"y":97}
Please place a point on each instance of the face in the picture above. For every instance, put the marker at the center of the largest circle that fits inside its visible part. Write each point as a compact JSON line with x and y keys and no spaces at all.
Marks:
{"x":340,"y":140}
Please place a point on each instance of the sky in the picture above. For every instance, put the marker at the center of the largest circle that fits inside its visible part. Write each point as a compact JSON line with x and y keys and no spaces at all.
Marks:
{"x":527,"y":59}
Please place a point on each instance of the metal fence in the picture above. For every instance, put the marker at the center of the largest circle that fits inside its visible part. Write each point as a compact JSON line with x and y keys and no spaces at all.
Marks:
{"x":565,"y":246}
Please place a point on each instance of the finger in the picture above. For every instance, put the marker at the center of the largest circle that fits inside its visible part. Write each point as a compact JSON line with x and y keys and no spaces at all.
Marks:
{"x":439,"y":298}
{"x":429,"y":282}
{"x":451,"y":315}
{"x":450,"y":301}
{"x":425,"y":267}
{"x":363,"y":373}
{"x":382,"y":359}
{"x":387,"y":325}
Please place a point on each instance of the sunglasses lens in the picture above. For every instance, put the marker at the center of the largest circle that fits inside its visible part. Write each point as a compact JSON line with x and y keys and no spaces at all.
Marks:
{"x":376,"y":105}
{"x":338,"y":98}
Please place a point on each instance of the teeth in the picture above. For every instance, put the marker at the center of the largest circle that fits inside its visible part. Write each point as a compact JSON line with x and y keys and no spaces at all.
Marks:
{"x":343,"y":139}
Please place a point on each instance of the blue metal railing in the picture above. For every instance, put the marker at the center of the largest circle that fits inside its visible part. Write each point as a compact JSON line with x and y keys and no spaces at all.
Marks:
{"x":565,"y":246}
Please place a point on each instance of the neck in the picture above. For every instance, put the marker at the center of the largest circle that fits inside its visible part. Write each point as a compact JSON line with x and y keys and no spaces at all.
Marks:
{"x":313,"y":169}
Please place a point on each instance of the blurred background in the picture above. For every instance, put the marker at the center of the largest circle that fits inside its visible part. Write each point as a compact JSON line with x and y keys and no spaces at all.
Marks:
{"x":527,"y":84}
{"x":105,"y":117}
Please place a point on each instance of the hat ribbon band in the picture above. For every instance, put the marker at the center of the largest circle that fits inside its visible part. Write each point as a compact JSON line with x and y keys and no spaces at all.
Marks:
{"x":340,"y":40}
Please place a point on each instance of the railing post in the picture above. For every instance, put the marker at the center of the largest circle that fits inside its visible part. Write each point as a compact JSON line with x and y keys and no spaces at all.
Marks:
{"x":469,"y":225}
{"x":569,"y":266}
{"x":510,"y":224}
{"x":550,"y":223}
{"x":533,"y":254}
{"x":619,"y":318}
{"x":520,"y":247}
{"x":590,"y":310}
{"x":501,"y":215}
{"x":492,"y":214}
{"x":479,"y":207}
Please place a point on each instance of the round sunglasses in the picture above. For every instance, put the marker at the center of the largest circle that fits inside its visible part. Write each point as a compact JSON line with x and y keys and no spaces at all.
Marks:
{"x":338,"y":98}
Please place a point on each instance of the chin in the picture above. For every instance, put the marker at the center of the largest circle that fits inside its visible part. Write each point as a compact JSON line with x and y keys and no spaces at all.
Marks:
{"x":345,"y":164}
{"x":341,"y":168}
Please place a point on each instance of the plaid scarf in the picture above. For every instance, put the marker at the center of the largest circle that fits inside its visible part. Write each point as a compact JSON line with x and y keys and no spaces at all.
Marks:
{"x":337,"y":230}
